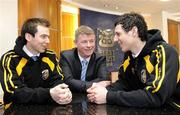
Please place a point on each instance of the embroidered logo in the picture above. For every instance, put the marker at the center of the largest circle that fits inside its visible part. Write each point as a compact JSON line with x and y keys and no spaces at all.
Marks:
{"x":45,"y":74}
{"x":143,"y":76}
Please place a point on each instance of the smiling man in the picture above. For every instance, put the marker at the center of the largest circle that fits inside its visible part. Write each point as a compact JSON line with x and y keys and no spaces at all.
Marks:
{"x":149,"y":75}
{"x":81,"y":65}
{"x":30,"y":73}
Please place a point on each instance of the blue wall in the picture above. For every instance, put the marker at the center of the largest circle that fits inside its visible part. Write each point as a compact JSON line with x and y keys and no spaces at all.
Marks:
{"x":97,"y":19}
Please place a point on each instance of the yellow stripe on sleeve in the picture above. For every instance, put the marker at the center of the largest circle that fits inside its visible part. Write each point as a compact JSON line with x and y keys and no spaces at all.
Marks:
{"x":4,"y":65}
{"x":49,"y":62}
{"x":176,"y":104}
{"x":49,"y":51}
{"x":163,"y":69}
{"x":20,"y":66}
{"x":10,"y":72}
{"x":126,"y":63}
{"x":6,"y":106}
{"x":149,"y":66}
{"x":59,"y":71}
{"x":156,"y":71}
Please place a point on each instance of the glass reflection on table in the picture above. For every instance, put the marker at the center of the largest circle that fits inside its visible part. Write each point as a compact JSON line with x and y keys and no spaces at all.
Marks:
{"x":81,"y":106}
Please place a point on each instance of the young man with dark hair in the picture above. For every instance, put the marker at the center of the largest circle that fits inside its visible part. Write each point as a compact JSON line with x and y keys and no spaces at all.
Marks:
{"x":30,"y":72}
{"x":149,"y":75}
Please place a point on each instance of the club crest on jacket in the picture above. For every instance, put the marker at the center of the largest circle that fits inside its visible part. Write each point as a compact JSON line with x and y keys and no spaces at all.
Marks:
{"x":143,"y":76}
{"x":45,"y":74}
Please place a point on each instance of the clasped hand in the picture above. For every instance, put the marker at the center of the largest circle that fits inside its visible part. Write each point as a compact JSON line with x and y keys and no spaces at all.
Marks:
{"x":97,"y":94}
{"x":61,"y":94}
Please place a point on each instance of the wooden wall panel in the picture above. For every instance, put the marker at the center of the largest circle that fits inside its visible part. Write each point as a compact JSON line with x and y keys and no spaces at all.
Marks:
{"x":173,"y":35}
{"x":68,"y":31}
{"x":54,"y":42}
{"x":49,"y":9}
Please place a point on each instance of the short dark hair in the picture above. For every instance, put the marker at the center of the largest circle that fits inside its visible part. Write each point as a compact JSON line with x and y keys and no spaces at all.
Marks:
{"x":129,"y":20}
{"x":30,"y":26}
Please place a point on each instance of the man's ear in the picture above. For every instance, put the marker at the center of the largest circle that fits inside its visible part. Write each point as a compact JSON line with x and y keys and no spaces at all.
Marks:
{"x":28,"y":36}
{"x":75,"y":42}
{"x":134,"y":31}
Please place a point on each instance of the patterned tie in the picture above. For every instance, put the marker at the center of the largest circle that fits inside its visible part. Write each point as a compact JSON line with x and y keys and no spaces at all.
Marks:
{"x":34,"y":58}
{"x":84,"y":64}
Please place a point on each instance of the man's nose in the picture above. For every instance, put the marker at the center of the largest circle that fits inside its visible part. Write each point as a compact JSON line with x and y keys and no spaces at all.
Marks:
{"x":89,"y":44}
{"x":115,"y":39}
{"x":47,"y":40}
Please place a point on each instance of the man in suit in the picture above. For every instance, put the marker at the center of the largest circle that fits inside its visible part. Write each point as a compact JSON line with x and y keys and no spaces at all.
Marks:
{"x":95,"y":71}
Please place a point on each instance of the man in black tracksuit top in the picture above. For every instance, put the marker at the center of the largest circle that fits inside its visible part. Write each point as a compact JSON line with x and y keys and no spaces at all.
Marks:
{"x":149,"y":75}
{"x":30,"y":73}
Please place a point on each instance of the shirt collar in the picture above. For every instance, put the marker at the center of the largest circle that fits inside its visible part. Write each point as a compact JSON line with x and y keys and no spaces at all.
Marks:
{"x":81,"y":58}
{"x":136,"y":55}
{"x":28,"y":52}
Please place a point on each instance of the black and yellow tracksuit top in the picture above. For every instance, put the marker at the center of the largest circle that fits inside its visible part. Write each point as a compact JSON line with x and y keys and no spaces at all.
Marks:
{"x":26,"y":81}
{"x":149,"y":80}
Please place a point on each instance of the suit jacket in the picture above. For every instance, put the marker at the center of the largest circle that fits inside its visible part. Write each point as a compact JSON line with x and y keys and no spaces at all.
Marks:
{"x":71,"y":67}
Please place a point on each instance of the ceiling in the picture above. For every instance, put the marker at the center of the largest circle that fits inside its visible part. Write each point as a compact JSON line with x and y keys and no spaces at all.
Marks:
{"x":122,"y":6}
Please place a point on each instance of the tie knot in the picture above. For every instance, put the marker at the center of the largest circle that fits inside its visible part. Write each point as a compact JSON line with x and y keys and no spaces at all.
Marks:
{"x":84,"y":62}
{"x":34,"y":58}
